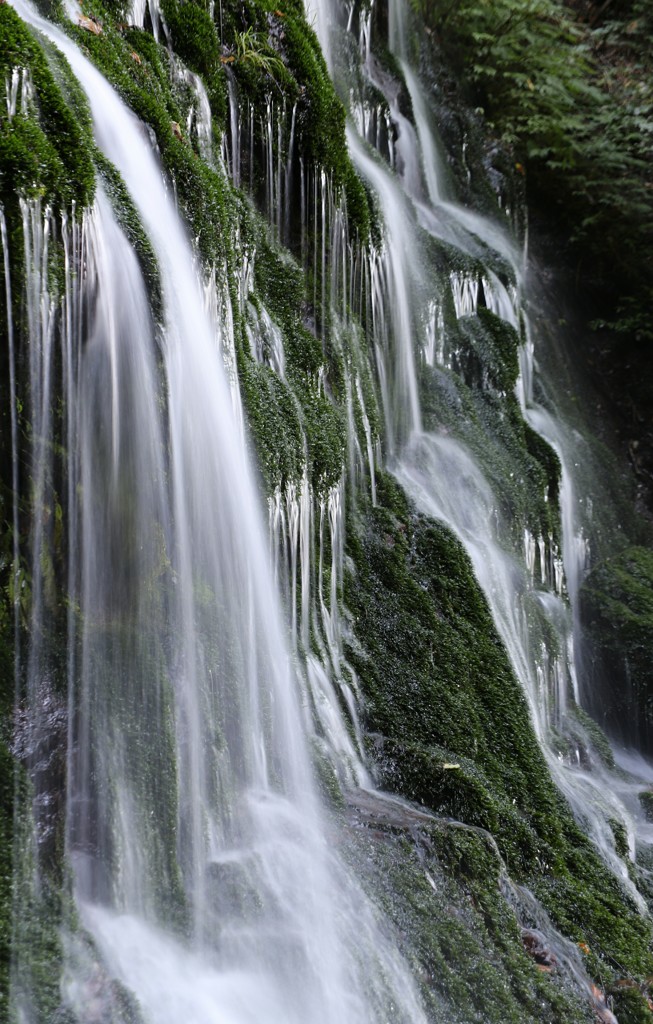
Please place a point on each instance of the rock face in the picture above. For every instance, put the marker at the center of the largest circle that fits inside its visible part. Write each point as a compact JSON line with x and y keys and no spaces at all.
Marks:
{"x":617,"y":608}
{"x":39,"y":744}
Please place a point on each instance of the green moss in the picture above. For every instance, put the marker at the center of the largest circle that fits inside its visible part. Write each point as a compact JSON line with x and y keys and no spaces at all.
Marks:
{"x":542,"y":452}
{"x":599,"y":740}
{"x":414,"y":591}
{"x":630,"y":1005}
{"x":442,"y":886}
{"x":620,"y":834}
{"x":193,"y":35}
{"x":621,"y":592}
{"x":326,"y":777}
{"x":617,"y":609}
{"x":36,"y":939}
{"x":274,"y":424}
{"x":47,"y":150}
{"x":281,"y":286}
{"x":439,"y":691}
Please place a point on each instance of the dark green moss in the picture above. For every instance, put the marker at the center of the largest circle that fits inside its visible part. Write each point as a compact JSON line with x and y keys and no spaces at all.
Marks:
{"x":193,"y":35}
{"x":542,"y":452}
{"x":617,"y":609}
{"x":620,"y":834}
{"x":599,"y":740}
{"x":450,"y":727}
{"x":281,"y":286}
{"x":47,"y":150}
{"x":630,"y":1004}
{"x":273,"y":421}
{"x":621,"y":590}
{"x":442,"y":886}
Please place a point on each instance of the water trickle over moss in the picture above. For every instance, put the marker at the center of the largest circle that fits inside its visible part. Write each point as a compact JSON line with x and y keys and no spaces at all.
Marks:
{"x":449,"y":726}
{"x":46,"y":150}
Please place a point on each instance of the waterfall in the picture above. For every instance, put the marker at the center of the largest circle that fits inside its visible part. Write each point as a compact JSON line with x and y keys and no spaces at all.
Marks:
{"x":202,"y":864}
{"x":224,"y":849}
{"x":450,"y":478}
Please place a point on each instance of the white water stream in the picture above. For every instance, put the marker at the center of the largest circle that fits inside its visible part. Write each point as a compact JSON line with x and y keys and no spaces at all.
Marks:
{"x":203,"y":865}
{"x":440,"y":472}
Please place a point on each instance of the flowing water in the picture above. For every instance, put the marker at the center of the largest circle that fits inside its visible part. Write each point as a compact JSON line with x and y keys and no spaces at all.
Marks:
{"x":531,"y":583}
{"x":203,"y":866}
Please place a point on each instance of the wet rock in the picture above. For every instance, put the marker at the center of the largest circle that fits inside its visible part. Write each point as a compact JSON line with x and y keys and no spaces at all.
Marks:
{"x":39,"y":743}
{"x":97,"y":998}
{"x":617,"y":610}
{"x":646,"y":800}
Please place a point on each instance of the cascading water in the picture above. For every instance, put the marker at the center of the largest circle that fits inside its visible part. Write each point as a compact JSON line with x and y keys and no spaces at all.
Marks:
{"x":200,"y":861}
{"x":204,"y":869}
{"x":447,"y":476}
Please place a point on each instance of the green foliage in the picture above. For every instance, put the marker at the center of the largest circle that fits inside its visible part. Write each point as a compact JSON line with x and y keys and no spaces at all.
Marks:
{"x":251,"y":46}
{"x":572,"y":96}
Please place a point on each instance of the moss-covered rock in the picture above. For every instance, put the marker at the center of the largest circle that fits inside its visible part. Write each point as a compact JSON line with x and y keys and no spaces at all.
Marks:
{"x":449,"y":726}
{"x":46,"y":145}
{"x":617,"y":609}
{"x":443,"y":886}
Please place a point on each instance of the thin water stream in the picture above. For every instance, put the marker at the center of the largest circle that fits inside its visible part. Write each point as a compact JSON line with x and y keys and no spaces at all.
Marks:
{"x":443,"y":475}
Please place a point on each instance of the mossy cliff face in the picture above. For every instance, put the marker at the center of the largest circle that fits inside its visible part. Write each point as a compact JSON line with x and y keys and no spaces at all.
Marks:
{"x":618,"y":610}
{"x":462,"y":925}
{"x":447,"y":725}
